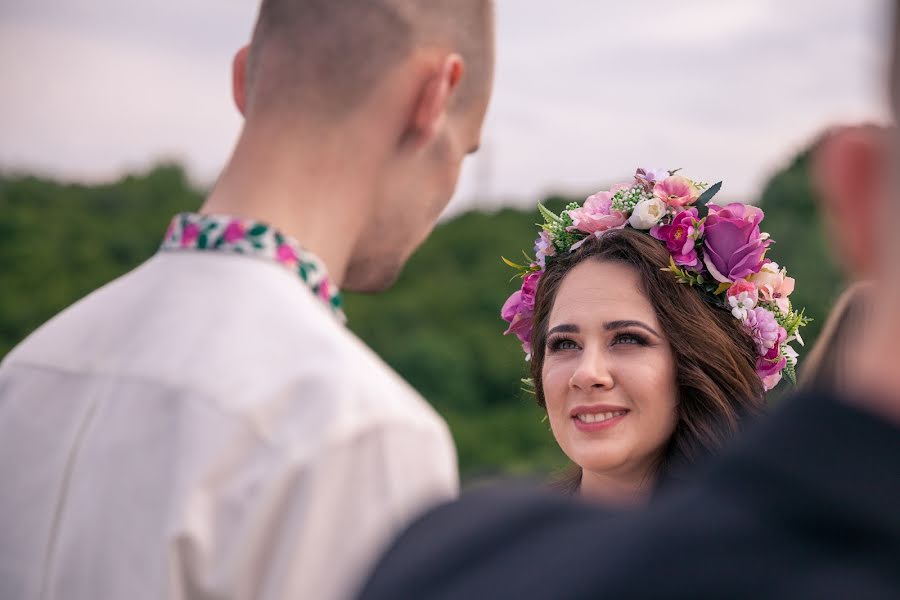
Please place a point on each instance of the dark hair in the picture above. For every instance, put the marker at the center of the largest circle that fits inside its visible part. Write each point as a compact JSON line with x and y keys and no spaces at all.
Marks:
{"x":715,"y":359}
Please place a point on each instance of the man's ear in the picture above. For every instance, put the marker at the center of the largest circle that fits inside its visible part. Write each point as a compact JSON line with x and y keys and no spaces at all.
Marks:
{"x":433,"y":101}
{"x":239,"y":79}
{"x":849,"y":169}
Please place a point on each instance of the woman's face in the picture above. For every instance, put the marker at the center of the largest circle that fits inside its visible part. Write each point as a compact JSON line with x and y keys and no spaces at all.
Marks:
{"x":609,"y":373}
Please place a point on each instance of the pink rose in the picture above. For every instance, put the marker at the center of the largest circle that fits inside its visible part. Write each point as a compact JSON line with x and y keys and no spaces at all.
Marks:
{"x":597,"y":214}
{"x":286,"y":255}
{"x":680,"y":237}
{"x":676,"y":191}
{"x":234,"y":232}
{"x":742,"y":286}
{"x":733,"y":246}
{"x":189,"y":235}
{"x":774,"y":285}
{"x":518,"y":310}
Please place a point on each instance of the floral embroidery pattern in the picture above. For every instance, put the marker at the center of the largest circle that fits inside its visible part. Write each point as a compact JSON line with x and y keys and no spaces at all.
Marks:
{"x":219,"y":233}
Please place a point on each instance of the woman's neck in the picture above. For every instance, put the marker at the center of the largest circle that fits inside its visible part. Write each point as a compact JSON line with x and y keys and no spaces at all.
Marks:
{"x":615,"y":489}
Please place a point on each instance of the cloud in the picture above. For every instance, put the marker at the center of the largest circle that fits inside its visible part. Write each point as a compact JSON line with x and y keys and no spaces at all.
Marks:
{"x":584,"y":91}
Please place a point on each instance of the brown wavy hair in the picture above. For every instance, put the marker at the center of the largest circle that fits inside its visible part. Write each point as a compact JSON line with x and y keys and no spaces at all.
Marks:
{"x":715,"y":359}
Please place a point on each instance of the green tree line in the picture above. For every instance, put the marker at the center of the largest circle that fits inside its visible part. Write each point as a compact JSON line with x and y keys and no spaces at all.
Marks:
{"x":439,"y":326}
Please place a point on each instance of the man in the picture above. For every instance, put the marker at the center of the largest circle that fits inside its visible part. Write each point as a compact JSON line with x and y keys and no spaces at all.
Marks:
{"x":205,"y":426}
{"x":804,"y":507}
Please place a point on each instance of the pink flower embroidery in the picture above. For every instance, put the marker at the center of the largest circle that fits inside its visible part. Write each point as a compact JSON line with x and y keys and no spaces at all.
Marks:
{"x":234,"y":232}
{"x":189,"y":235}
{"x":286,"y":255}
{"x":324,"y":290}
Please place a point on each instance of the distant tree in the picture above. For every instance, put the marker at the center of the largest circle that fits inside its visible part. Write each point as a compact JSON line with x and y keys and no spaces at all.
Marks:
{"x":439,"y":326}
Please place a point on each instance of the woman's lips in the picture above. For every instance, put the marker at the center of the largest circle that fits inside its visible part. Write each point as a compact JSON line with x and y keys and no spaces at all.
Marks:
{"x":597,"y":418}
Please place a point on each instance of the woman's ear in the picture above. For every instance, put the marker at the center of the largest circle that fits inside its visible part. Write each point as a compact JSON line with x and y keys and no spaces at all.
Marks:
{"x":433,"y":100}
{"x":239,"y":79}
{"x":849,"y":170}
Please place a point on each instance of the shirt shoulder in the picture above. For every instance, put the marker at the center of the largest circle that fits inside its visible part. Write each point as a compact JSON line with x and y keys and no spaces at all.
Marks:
{"x":241,"y":332}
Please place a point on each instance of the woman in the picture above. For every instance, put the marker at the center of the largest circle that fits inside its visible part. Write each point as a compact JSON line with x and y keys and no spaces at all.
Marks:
{"x":654,"y":324}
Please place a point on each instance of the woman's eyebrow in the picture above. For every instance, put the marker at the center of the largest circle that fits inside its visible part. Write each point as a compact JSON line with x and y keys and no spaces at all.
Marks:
{"x":612,"y":325}
{"x":564,"y":328}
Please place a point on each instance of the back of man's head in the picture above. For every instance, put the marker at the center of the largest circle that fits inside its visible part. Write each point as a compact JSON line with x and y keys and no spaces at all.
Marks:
{"x":324,"y":57}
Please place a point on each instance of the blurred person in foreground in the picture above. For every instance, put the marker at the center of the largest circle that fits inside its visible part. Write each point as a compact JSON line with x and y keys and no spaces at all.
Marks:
{"x":829,"y":362}
{"x":205,"y":426}
{"x":654,"y":324}
{"x":802,"y":506}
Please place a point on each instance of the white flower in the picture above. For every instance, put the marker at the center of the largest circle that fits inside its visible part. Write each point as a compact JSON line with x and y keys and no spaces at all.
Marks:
{"x":790,"y":354}
{"x":741,"y":304}
{"x":647,"y":213}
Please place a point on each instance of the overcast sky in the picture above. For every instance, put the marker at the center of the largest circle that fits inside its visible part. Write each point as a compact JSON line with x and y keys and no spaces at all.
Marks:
{"x":586,"y":90}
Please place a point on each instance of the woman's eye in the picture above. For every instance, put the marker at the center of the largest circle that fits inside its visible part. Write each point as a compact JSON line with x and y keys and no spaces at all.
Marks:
{"x":630,"y":338}
{"x":562,"y":344}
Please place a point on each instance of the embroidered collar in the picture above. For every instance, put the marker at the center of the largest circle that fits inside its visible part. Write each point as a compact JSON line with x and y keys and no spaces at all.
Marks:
{"x":219,"y":233}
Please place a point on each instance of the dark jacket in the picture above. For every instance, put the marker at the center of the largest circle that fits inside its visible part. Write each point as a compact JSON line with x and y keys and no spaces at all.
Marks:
{"x":805,"y":505}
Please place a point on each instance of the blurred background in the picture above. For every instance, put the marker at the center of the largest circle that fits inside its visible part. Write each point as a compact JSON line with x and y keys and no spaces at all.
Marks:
{"x":116,"y":114}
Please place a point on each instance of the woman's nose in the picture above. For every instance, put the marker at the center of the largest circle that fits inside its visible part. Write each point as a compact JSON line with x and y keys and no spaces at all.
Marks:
{"x":592,"y":372}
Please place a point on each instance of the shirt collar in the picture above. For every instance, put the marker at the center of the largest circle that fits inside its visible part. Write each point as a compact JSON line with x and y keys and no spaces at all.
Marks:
{"x":221,"y":233}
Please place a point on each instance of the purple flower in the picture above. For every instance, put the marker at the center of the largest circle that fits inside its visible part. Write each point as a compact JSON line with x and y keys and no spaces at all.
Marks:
{"x":769,"y":367}
{"x":518,"y":310}
{"x":768,"y":336}
{"x":652,"y":175}
{"x":733,"y":246}
{"x":543,"y":247}
{"x":597,"y":214}
{"x":680,"y":237}
{"x":764,"y":329}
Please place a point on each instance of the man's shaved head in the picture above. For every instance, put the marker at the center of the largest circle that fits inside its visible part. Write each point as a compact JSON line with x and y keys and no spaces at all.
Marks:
{"x":324,"y":56}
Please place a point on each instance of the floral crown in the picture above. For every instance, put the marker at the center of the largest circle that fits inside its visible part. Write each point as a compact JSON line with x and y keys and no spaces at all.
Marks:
{"x":717,"y":249}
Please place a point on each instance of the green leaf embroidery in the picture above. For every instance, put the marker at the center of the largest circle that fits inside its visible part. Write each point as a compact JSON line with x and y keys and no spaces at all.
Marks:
{"x":257,"y":230}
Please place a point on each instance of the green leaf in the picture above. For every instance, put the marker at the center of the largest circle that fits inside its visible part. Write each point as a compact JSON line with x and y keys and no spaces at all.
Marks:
{"x":790,"y":373}
{"x":708,"y":195}
{"x":723,"y":287}
{"x":202,"y":240}
{"x":257,"y":230}
{"x":547,"y":214}
{"x":512,"y":264}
